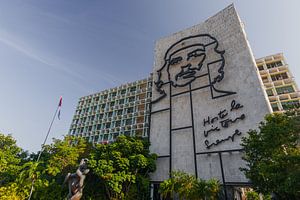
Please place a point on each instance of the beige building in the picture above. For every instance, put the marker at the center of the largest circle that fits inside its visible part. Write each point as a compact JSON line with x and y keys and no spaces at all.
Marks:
{"x":278,"y":82}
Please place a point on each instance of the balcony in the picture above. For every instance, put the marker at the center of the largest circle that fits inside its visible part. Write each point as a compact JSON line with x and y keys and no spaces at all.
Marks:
{"x":272,"y":98}
{"x":273,"y":70}
{"x":265,"y":80}
{"x":278,"y":82}
{"x":284,"y":96}
{"x":288,"y":80}
{"x":283,"y":68}
{"x":263,"y":72}
{"x":295,"y":95}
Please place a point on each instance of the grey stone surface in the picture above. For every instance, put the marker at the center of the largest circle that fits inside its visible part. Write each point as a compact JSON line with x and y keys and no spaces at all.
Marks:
{"x":182,"y":158}
{"x":199,"y":62}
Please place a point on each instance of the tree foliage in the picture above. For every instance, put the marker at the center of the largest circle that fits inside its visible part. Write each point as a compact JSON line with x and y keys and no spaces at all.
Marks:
{"x":10,"y":158}
{"x":186,"y":186}
{"x":273,"y":156}
{"x":18,"y":171}
{"x":118,"y":170}
{"x":122,"y":164}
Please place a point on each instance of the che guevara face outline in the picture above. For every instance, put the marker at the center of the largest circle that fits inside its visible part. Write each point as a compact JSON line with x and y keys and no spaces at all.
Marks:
{"x":185,"y":63}
{"x":186,"y":60}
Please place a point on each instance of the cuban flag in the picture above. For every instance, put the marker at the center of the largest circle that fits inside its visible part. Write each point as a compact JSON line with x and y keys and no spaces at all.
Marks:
{"x":59,"y":107}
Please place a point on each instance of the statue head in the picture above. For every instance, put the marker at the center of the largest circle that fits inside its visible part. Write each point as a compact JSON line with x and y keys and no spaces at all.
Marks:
{"x":83,"y":166}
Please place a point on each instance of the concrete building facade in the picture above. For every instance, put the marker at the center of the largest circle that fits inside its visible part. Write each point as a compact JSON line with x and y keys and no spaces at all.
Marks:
{"x":103,"y":116}
{"x":206,"y":95}
{"x":278,"y":81}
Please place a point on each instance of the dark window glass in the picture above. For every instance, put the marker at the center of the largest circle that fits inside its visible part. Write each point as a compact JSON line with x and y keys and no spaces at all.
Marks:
{"x":284,"y":90}
{"x":130,"y":110}
{"x":131,"y":99}
{"x":118,"y":123}
{"x":121,"y":101}
{"x":128,"y":121}
{"x":270,"y":92}
{"x":132,"y":89}
{"x":120,"y":112}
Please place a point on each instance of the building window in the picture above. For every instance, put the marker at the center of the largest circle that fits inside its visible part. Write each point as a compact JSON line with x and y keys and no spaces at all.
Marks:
{"x":127,"y":133}
{"x":107,"y":125}
{"x":105,"y":138}
{"x":274,"y":64}
{"x":123,"y":91}
{"x":118,"y":123}
{"x":279,"y":76}
{"x":121,"y":101}
{"x":130,"y":110}
{"x":115,"y":135}
{"x":285,"y":89}
{"x":290,"y":104}
{"x":119,"y":112}
{"x":131,"y":99}
{"x":128,"y":121}
{"x":132,"y":89}
{"x":260,"y":67}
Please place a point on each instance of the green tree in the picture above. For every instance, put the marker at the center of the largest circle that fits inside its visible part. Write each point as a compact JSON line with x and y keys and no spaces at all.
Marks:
{"x":58,"y":158}
{"x":273,"y":156}
{"x":186,"y":186}
{"x":10,"y":158}
{"x":252,"y":195}
{"x":121,"y":164}
{"x":118,"y":170}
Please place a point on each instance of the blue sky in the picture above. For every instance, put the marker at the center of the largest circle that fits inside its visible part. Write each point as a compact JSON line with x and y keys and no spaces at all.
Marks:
{"x":50,"y":48}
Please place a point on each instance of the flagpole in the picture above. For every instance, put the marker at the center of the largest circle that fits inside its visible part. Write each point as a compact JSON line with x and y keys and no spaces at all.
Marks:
{"x":40,"y":153}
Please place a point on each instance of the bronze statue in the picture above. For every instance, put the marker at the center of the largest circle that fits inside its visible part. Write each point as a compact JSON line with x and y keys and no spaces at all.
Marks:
{"x":75,"y":181}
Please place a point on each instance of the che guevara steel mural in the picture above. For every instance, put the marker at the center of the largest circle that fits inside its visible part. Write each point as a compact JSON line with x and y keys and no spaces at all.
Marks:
{"x":190,"y":58}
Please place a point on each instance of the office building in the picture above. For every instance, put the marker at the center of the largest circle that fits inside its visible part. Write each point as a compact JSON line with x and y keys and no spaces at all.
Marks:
{"x":279,"y":82}
{"x":102,"y":116}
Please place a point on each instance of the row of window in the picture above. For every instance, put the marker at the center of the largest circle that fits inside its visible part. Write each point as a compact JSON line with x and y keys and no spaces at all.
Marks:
{"x":119,"y":101}
{"x":281,"y":90}
{"x":108,"y":105}
{"x":113,"y":102}
{"x":112,"y":124}
{"x":109,"y":125}
{"x":112,"y":136}
{"x":114,"y":94}
{"x":270,"y":65}
{"x":277,"y":77}
{"x":105,"y":115}
{"x":274,"y":64}
{"x":285,"y":105}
